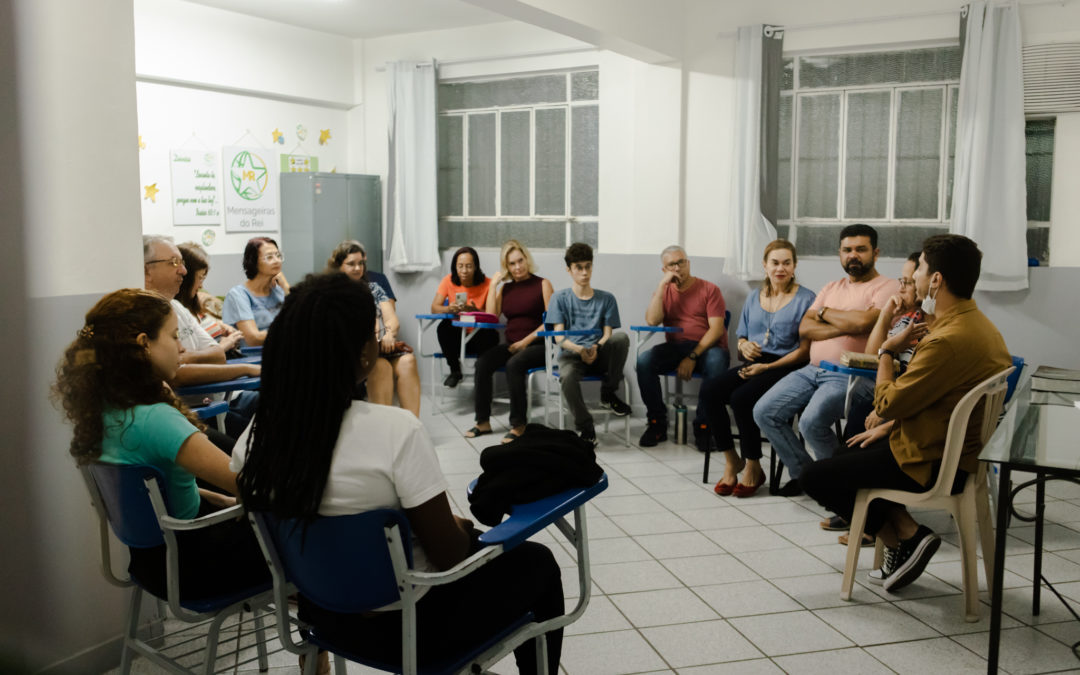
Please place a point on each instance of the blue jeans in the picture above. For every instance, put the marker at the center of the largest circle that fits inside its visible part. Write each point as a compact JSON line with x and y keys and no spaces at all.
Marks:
{"x":664,"y":358}
{"x":817,"y":396}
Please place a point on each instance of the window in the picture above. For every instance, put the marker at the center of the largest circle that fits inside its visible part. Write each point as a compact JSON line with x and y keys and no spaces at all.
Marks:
{"x":1039,"y":135}
{"x":867,"y":137}
{"x":870,"y":137}
{"x":519,"y":157}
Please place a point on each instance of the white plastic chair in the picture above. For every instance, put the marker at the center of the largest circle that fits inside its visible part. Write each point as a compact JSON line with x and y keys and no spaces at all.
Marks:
{"x":970,"y":509}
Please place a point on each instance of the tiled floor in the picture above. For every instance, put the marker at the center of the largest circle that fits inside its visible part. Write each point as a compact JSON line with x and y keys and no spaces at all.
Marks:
{"x":689,"y":582}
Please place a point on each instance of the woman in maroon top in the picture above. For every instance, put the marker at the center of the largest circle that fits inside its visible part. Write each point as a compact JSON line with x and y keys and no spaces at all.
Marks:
{"x":522,"y":299}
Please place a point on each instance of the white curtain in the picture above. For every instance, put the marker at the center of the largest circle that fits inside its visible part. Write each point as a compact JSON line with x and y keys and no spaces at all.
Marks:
{"x":749,"y":231}
{"x":989,"y":188}
{"x":412,"y":191}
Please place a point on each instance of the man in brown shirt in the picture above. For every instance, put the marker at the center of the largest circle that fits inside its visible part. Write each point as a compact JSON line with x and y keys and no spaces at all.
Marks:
{"x":963,"y":350}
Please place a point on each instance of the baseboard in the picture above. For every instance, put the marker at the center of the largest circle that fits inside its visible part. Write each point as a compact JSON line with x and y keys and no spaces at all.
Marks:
{"x":101,"y":657}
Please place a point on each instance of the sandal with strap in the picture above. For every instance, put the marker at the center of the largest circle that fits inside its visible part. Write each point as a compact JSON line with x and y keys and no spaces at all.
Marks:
{"x":476,"y":432}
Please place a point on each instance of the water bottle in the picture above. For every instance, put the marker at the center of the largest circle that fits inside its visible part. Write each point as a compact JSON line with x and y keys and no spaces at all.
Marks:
{"x":680,"y":423}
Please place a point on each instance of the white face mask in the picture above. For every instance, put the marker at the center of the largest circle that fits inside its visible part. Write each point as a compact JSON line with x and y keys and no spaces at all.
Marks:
{"x":929,"y":304}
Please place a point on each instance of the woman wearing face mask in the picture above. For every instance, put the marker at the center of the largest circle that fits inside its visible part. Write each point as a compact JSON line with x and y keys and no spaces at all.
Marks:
{"x":770,"y":347}
{"x":521,"y":296}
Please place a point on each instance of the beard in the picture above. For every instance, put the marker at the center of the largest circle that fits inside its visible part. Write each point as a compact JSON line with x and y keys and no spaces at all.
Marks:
{"x":856,"y":268}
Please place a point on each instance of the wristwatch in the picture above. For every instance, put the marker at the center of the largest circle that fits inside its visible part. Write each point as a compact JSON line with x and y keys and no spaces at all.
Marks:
{"x":692,"y":356}
{"x":894,"y":355}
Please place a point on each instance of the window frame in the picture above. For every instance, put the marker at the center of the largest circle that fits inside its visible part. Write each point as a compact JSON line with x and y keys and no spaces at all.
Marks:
{"x":567,"y":107}
{"x":949,"y":88}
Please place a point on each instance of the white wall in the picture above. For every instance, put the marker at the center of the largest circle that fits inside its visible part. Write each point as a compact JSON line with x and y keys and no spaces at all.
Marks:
{"x":639,"y":117}
{"x":192,"y":43}
{"x":173,"y":117}
{"x":208,"y":77}
{"x":75,"y":93}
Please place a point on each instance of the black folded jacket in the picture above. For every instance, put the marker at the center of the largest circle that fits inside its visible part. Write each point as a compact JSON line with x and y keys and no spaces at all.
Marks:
{"x":541,"y":463}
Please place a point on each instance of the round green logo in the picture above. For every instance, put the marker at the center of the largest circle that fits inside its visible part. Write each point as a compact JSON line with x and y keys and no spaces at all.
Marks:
{"x":249,"y":175}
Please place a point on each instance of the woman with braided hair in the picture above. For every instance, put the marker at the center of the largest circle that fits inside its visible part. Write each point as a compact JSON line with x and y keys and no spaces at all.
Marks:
{"x":111,"y":383}
{"x":313,"y":450}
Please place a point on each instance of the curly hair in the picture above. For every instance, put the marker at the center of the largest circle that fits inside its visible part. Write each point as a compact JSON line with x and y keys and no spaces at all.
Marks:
{"x":106,"y":368}
{"x":311,"y":361}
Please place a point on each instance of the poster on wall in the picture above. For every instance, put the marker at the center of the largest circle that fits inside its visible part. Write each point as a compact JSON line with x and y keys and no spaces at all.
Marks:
{"x":251,"y":190}
{"x":196,"y":187}
{"x":299,"y":163}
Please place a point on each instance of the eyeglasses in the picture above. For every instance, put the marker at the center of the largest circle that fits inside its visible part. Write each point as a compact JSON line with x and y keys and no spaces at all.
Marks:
{"x":904,"y":283}
{"x":271,"y":257}
{"x":175,"y":262}
{"x":677,"y":264}
{"x":355,"y":263}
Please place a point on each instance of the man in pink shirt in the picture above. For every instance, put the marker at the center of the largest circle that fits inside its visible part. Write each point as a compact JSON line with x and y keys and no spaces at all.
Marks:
{"x":839,"y":320}
{"x":697,"y":307}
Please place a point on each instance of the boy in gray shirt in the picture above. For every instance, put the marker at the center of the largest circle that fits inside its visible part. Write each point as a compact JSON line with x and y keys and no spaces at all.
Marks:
{"x":581,"y":307}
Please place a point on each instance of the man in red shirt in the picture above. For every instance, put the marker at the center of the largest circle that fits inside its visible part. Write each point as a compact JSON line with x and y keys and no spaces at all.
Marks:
{"x":697,"y":307}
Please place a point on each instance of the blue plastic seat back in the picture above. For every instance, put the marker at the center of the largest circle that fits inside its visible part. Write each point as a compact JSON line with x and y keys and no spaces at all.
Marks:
{"x":127,"y":501}
{"x":341,"y":563}
{"x":1014,"y":377}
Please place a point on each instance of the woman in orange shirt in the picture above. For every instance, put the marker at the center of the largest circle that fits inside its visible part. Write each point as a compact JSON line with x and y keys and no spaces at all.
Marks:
{"x":465,"y":289}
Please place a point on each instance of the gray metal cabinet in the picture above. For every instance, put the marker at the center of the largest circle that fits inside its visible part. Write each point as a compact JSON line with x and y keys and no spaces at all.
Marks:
{"x":320,"y":210}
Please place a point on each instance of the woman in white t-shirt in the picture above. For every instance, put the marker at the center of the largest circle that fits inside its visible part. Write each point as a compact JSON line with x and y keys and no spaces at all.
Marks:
{"x":314,"y":450}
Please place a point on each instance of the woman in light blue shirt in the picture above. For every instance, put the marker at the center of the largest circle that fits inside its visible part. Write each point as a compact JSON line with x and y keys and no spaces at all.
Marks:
{"x":770,"y":347}
{"x":252,"y":305}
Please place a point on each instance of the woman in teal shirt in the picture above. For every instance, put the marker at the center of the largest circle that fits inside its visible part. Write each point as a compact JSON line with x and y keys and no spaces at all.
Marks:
{"x":111,"y":383}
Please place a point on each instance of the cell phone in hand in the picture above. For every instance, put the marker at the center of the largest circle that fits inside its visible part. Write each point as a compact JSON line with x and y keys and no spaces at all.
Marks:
{"x":460,"y":298}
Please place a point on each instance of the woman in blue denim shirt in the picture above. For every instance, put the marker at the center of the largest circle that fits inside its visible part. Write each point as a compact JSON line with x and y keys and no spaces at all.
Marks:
{"x":770,"y":348}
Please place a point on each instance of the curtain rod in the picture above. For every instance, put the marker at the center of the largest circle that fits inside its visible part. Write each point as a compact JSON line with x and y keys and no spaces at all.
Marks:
{"x":892,"y":17}
{"x":521,"y":55}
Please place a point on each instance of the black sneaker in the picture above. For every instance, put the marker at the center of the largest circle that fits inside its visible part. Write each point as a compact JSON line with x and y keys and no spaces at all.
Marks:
{"x":614,"y":404}
{"x":588,"y":434}
{"x":792,"y":489}
{"x":655,"y":433}
{"x":702,"y":437}
{"x":911,"y":558}
{"x":888,"y":566}
{"x":452,"y":379}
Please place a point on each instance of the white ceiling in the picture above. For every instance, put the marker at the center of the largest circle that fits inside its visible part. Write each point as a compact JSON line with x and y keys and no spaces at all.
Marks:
{"x":362,"y":18}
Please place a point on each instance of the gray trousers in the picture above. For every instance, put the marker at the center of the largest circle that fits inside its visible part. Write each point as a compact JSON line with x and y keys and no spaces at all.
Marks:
{"x":610,"y":359}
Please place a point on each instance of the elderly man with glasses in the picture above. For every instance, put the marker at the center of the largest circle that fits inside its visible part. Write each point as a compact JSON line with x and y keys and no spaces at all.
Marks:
{"x":697,"y":307}
{"x":203,"y":359}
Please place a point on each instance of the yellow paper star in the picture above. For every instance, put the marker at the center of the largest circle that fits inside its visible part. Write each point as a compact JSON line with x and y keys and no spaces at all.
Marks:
{"x":278,"y":136}
{"x":142,"y":144}
{"x":324,"y":136}
{"x":151,"y":192}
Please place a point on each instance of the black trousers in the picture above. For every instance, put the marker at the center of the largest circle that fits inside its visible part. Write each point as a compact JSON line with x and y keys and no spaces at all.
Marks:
{"x":741,"y":394}
{"x":833,"y":482}
{"x":466,"y":612}
{"x":450,"y":342}
{"x":214,"y":561}
{"x":517,"y":375}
